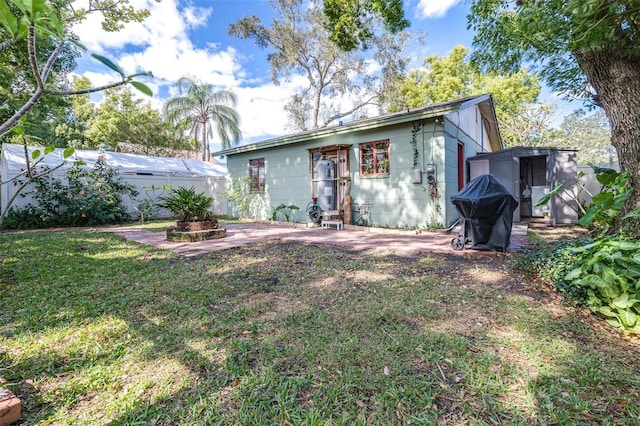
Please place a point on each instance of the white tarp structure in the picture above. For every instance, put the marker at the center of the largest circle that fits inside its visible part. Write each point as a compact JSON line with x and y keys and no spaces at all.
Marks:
{"x":140,"y":171}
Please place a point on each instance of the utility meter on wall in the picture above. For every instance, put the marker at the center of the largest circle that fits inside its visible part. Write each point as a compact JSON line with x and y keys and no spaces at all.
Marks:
{"x":431,"y":174}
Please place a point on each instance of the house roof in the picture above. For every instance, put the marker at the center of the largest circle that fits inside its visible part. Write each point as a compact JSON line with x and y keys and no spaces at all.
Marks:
{"x":485,"y":103}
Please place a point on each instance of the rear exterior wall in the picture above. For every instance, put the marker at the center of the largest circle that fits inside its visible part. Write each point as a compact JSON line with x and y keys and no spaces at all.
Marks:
{"x":397,"y":201}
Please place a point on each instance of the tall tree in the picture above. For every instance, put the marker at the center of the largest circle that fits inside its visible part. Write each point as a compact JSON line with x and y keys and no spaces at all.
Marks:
{"x":532,"y":126}
{"x":27,"y":24}
{"x":17,"y":79}
{"x":445,"y":78}
{"x":590,"y":133}
{"x":203,"y":108}
{"x":339,"y":83}
{"x":582,"y":48}
{"x":351,"y":23}
{"x":122,"y":118}
{"x":71,"y":128}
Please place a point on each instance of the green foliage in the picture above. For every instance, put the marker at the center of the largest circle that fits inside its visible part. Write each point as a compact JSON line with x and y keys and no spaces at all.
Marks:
{"x":417,"y":126}
{"x":591,"y":134}
{"x":609,"y":271}
{"x":115,"y":13}
{"x":445,"y":78}
{"x":108,"y":63}
{"x":203,"y":108}
{"x":552,"y":263}
{"x":570,"y":198}
{"x":602,"y":214}
{"x":71,"y":128}
{"x":454,"y":76}
{"x":604,"y":274}
{"x":247,"y":204}
{"x":187,"y":204}
{"x":87,"y":196}
{"x":30,"y":11}
{"x":122,"y":118}
{"x":16,"y":76}
{"x":148,"y":206}
{"x":38,"y":71}
{"x":350,"y":21}
{"x":284,"y":210}
{"x":33,"y":168}
{"x":29,"y":217}
{"x":237,"y":192}
{"x":586,"y":49}
{"x":548,"y":34}
{"x":530,"y":126}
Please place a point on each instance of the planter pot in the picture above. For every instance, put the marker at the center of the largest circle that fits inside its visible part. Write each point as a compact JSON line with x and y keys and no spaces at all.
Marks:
{"x":201,"y":225}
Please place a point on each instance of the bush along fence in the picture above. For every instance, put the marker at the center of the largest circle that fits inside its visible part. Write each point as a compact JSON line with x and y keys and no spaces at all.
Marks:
{"x":84,"y":196}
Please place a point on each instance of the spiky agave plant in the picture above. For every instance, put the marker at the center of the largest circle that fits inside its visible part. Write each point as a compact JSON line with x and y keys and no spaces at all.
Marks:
{"x":187,"y":204}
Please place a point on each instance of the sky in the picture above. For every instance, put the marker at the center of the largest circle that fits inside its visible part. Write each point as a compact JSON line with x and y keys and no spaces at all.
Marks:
{"x":189,"y":38}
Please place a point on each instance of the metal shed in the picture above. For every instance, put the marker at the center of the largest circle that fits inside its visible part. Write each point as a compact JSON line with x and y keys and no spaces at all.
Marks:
{"x":529,"y":174}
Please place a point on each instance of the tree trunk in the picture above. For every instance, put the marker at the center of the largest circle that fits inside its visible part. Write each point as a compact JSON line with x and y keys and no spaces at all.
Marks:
{"x":204,"y":142}
{"x":616,"y":81}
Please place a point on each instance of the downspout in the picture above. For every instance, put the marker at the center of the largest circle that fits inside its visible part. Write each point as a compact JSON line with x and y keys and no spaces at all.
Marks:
{"x":423,"y":146}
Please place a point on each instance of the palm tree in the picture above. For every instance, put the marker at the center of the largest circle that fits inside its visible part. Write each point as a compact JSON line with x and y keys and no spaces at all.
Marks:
{"x":202,"y":108}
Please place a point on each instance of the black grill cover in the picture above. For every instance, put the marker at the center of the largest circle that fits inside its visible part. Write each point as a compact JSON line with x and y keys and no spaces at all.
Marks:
{"x":487,"y":209}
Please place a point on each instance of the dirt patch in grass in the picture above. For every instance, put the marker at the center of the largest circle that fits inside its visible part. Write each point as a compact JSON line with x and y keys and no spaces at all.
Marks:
{"x":542,"y":231}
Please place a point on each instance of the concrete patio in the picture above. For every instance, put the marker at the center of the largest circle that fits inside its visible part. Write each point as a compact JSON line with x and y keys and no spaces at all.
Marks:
{"x":366,"y":240}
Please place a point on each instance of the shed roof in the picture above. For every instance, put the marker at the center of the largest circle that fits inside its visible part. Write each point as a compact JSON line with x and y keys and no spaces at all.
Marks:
{"x":521,"y":151}
{"x":485,"y":103}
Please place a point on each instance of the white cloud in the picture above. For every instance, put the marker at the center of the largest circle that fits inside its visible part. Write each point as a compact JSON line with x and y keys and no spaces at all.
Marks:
{"x":161,"y":44}
{"x":164,"y":22}
{"x":261,"y":109}
{"x":196,"y":16}
{"x":434,"y":8}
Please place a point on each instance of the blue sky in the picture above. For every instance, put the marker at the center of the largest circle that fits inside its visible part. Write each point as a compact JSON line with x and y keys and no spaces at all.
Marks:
{"x":190,"y":38}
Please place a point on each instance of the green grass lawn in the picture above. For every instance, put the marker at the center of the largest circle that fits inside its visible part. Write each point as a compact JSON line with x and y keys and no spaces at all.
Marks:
{"x":98,"y":330}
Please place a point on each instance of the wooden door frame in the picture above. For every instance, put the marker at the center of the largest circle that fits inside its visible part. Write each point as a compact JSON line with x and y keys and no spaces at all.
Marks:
{"x":340,"y":155}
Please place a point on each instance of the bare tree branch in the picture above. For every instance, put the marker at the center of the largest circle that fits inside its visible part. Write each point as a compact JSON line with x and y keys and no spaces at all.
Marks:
{"x":5,"y":45}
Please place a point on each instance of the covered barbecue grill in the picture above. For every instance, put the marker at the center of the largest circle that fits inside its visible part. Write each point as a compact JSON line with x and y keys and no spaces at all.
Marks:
{"x":486,"y":207}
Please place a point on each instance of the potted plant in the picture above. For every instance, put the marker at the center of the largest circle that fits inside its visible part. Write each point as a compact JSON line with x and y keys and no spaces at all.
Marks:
{"x":190,"y":208}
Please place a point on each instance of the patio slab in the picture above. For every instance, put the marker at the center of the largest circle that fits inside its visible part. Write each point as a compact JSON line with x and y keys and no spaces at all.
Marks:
{"x":366,"y":240}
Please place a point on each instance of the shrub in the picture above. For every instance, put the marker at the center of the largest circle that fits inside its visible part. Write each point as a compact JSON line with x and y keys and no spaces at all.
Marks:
{"x":286,"y":211}
{"x":602,"y":214}
{"x":603,"y":274}
{"x":186,"y":204}
{"x":609,"y":272}
{"x":148,"y":206}
{"x":247,"y":204}
{"x":85,"y":197}
{"x":29,"y":217}
{"x":552,"y":262}
{"x":94,"y":196}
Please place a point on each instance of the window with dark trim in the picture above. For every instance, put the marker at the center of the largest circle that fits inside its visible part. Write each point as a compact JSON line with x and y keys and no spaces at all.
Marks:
{"x":374,"y":158}
{"x":256,"y":175}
